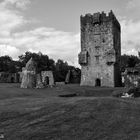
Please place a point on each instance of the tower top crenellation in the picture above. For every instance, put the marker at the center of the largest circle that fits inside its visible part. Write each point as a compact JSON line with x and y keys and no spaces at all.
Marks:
{"x":99,"y":17}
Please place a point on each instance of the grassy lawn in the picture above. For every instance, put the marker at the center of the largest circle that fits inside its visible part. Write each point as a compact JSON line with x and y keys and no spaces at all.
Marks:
{"x":40,"y":114}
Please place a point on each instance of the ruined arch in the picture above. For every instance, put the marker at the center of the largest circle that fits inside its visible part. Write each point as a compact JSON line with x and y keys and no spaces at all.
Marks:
{"x":46,"y":80}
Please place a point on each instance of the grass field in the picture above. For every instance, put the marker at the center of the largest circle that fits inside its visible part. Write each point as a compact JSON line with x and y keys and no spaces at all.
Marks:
{"x":40,"y":114}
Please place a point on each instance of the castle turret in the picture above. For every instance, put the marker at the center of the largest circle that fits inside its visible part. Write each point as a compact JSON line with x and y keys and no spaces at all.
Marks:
{"x":100,"y":50}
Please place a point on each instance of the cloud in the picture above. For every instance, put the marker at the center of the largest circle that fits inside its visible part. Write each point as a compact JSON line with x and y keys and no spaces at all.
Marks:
{"x":10,"y":19}
{"x":133,"y":4}
{"x":130,"y":36}
{"x":5,"y":49}
{"x":21,"y":4}
{"x":56,"y":44}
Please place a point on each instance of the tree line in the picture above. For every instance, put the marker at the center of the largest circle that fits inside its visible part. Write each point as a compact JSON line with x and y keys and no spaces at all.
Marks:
{"x":128,"y":61}
{"x":60,"y":68}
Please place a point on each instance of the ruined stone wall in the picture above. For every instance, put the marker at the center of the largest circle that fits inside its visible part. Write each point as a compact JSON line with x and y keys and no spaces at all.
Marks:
{"x":28,"y":79}
{"x":132,"y":77}
{"x":100,"y":49}
{"x":48,"y":74}
{"x":29,"y":75}
{"x":6,"y":77}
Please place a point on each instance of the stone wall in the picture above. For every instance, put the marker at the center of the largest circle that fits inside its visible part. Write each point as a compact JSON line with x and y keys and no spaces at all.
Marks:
{"x":29,"y":75}
{"x":100,"y":50}
{"x":6,"y":77}
{"x":47,"y":76}
{"x":72,"y":76}
{"x":31,"y":79}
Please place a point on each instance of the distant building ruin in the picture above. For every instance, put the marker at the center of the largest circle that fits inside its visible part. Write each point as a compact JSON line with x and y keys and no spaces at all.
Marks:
{"x":73,"y":77}
{"x":6,"y":77}
{"x":47,"y":78}
{"x":132,"y":77}
{"x":32,"y":79}
{"x":100,"y":50}
{"x":29,"y":75}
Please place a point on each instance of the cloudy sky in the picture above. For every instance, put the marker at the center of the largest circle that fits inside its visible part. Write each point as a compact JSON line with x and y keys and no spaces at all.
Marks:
{"x":53,"y":26}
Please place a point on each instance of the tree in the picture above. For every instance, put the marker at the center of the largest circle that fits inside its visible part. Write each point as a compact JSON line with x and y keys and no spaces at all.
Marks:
{"x":131,"y":62}
{"x":43,"y":61}
{"x":61,"y":70}
{"x":7,"y":64}
{"x":128,"y":61}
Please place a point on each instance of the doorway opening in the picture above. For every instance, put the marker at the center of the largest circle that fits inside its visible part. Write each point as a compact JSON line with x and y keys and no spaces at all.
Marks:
{"x":12,"y":79}
{"x":46,"y":81}
{"x":97,"y":82}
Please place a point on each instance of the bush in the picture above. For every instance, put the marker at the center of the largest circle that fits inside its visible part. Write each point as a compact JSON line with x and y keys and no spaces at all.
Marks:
{"x":134,"y":91}
{"x":117,"y":93}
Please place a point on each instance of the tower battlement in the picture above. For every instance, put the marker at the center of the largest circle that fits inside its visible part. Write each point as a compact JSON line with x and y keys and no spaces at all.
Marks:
{"x":99,"y":18}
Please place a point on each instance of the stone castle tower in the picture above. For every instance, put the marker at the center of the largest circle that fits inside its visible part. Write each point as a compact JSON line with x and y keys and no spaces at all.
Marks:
{"x":100,"y":50}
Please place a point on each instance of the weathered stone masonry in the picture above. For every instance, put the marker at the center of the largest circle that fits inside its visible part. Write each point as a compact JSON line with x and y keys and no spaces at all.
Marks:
{"x":100,"y":50}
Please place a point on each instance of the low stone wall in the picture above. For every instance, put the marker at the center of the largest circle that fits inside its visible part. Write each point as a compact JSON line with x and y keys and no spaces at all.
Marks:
{"x":9,"y":77}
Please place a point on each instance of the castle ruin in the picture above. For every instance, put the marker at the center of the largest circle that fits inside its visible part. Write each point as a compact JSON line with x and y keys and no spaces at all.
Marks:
{"x":32,"y":79}
{"x":100,"y":50}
